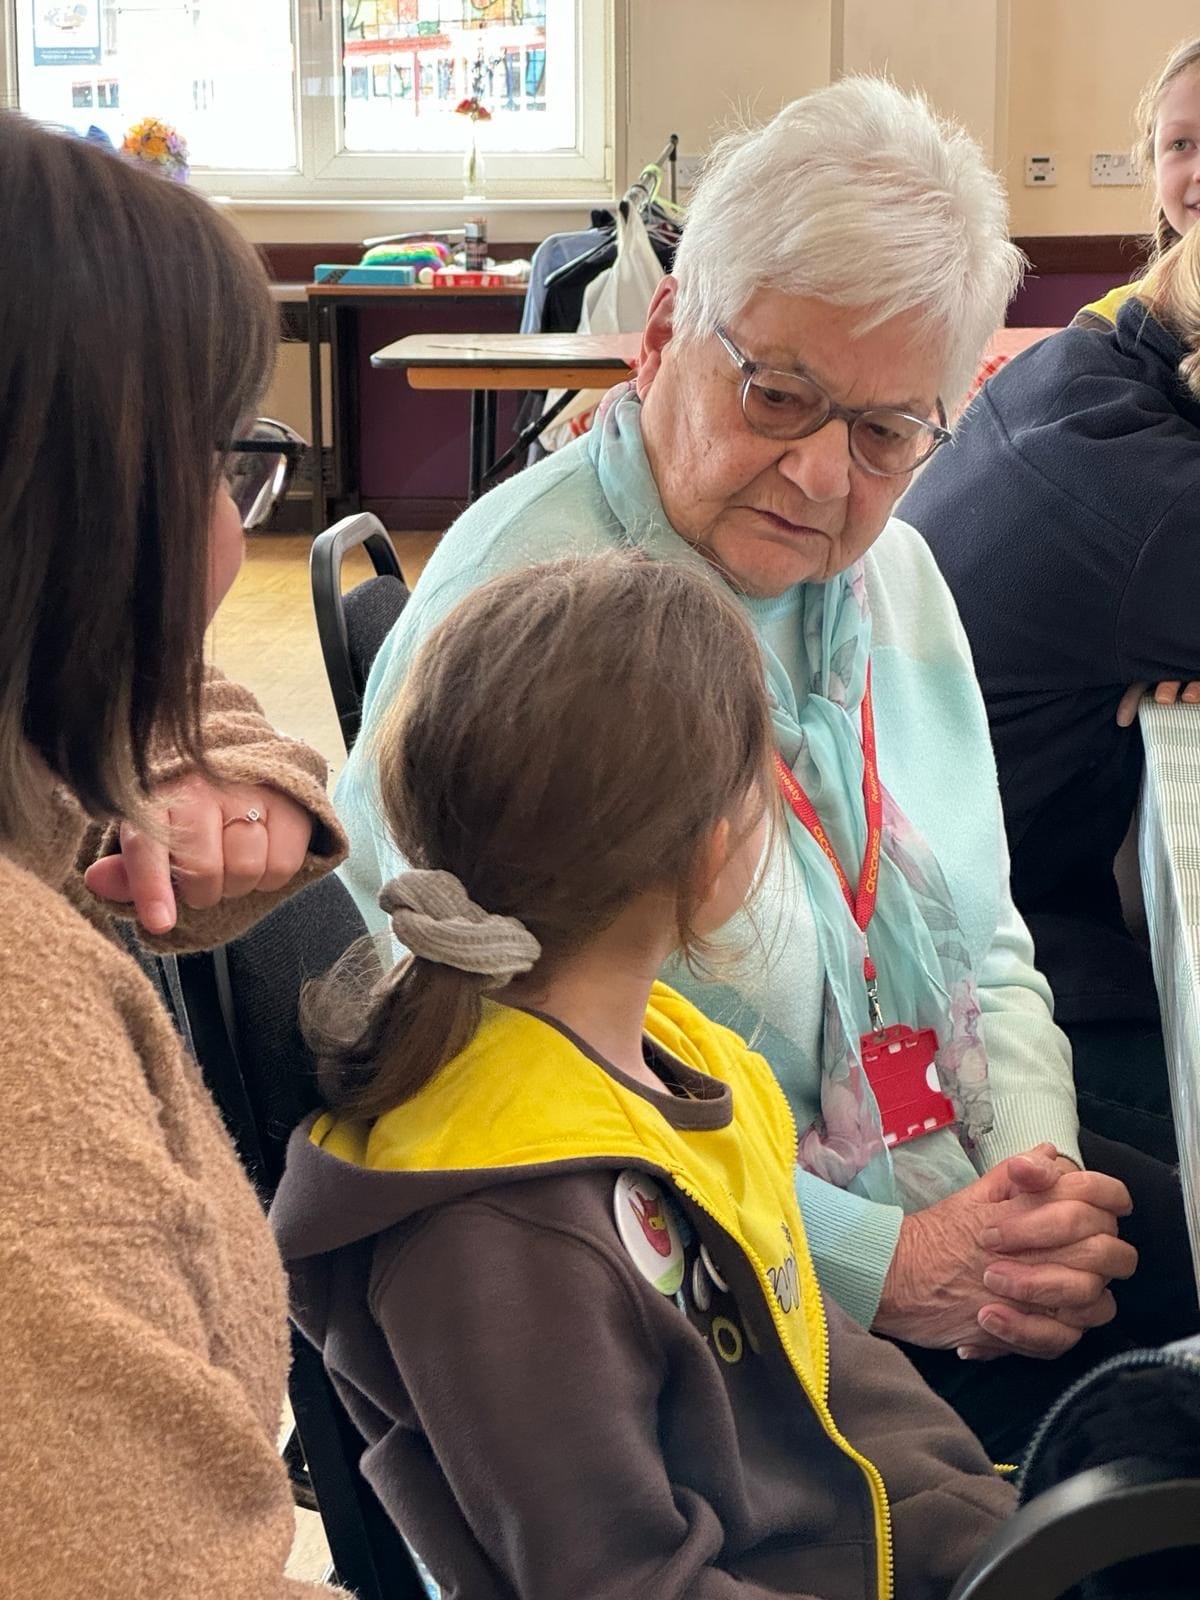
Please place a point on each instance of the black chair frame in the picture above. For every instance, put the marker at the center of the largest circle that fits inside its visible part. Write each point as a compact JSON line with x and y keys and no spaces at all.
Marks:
{"x":329,"y":550}
{"x":368,"y":1555}
{"x":1081,"y":1527}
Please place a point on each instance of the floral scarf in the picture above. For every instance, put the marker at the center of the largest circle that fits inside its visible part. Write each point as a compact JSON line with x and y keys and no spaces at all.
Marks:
{"x":925,"y":974}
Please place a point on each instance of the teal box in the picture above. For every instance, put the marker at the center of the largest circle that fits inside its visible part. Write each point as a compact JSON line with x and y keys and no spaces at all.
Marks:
{"x":397,"y":277}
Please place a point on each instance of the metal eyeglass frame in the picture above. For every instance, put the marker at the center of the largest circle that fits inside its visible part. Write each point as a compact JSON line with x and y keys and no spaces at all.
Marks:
{"x":939,"y":432}
{"x":289,"y":447}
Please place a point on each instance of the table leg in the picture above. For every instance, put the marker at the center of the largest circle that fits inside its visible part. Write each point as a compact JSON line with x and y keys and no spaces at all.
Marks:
{"x":350,"y":449}
{"x":316,"y":425}
{"x":479,"y":441}
{"x":489,"y":435}
{"x":343,"y":406}
{"x":523,"y":441}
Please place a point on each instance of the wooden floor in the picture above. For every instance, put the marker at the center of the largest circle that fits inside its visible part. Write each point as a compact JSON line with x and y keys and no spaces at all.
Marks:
{"x":265,"y":637}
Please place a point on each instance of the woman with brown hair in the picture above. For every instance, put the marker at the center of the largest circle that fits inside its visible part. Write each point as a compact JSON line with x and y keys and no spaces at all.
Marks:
{"x":143,"y":1315}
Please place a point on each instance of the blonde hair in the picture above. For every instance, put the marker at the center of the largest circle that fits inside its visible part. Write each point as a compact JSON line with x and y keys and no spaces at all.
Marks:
{"x":564,"y":743}
{"x":1182,"y":59}
{"x":1171,"y":290}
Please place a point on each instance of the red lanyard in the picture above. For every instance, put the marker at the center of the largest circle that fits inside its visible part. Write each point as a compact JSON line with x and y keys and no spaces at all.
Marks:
{"x":862,"y":904}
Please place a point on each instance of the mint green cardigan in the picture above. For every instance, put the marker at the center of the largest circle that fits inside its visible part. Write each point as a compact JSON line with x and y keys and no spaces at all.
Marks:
{"x":936,"y":758}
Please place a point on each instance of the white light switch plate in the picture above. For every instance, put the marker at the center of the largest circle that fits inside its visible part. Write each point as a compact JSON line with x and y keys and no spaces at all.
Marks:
{"x":1041,"y":172}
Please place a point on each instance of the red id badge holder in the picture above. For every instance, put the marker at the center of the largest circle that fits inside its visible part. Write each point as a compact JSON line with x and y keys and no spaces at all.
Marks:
{"x":899,"y":1063}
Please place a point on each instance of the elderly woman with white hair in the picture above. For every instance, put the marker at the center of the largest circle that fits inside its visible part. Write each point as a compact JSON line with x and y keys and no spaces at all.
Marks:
{"x":840,"y":272}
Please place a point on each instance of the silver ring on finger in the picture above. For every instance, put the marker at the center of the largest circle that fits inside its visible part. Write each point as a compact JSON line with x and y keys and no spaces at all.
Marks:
{"x":253,"y":815}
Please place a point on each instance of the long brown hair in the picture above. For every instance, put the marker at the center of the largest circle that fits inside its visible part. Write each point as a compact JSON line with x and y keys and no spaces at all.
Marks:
{"x":1182,"y":59}
{"x":564,"y":743}
{"x":136,"y":331}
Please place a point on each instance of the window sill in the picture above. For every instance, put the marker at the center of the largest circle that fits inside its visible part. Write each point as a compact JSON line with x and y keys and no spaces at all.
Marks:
{"x":414,"y":204}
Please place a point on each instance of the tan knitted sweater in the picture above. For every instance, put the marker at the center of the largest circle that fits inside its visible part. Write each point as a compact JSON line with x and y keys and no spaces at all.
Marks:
{"x":143,"y":1343}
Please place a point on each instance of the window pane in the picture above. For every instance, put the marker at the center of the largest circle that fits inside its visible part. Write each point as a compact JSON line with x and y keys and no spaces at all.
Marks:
{"x":221,"y":71}
{"x":516,"y":56}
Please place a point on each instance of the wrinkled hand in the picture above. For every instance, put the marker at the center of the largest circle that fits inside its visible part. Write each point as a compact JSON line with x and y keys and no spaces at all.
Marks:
{"x":1165,"y":693}
{"x":1018,"y":1262}
{"x":205,"y":852}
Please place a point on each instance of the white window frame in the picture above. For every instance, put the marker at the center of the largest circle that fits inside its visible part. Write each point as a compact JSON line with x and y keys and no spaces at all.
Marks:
{"x":328,"y":172}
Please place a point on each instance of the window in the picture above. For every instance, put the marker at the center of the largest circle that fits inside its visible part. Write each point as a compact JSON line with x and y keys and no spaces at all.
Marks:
{"x":222,"y":71}
{"x":248,"y":84}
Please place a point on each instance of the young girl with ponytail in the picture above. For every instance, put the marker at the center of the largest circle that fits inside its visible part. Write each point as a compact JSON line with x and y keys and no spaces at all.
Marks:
{"x":546,"y":1235}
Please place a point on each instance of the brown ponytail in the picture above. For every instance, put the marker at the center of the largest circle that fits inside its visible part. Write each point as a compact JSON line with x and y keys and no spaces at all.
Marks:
{"x":416,"y":1024}
{"x":565,"y":742}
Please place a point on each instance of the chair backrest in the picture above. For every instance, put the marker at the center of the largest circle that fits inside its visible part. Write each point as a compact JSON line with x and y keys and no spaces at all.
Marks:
{"x":1110,"y":1490}
{"x":1098,"y":1520}
{"x":352,"y":627}
{"x":239,"y":1007}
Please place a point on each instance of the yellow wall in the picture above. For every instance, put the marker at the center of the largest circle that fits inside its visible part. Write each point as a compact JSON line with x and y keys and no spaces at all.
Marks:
{"x":949,"y":49}
{"x":1076,"y":68}
{"x":692,"y":66}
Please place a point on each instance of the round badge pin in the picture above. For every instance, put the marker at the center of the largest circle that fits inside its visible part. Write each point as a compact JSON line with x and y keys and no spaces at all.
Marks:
{"x":712,"y":1271}
{"x":648,"y":1230}
{"x":701,"y":1292}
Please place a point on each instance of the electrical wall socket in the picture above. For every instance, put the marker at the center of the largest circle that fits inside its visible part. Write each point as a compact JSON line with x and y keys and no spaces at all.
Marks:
{"x":1041,"y":172}
{"x":1115,"y":169}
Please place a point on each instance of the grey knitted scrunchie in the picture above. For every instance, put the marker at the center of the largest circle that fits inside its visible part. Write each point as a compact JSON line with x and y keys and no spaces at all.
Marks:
{"x":433,"y":917}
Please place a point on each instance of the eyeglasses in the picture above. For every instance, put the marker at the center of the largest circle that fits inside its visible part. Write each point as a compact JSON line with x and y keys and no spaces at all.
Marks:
{"x":788,"y":405}
{"x":259,"y":466}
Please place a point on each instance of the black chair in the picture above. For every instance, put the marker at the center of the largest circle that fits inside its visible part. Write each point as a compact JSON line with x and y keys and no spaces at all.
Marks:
{"x":237,"y":1010}
{"x":1095,"y":1521}
{"x":351,"y":627}
{"x":1109,"y":1489}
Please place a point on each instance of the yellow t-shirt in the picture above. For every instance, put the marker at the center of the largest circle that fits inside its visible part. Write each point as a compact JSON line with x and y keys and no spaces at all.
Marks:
{"x":1108,"y":305}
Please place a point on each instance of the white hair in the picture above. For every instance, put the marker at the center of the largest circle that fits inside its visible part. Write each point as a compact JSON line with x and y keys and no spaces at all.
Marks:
{"x":860,"y":195}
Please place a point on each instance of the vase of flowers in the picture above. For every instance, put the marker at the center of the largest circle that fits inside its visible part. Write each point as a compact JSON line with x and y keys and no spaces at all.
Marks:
{"x":160,"y":146}
{"x":475,"y":112}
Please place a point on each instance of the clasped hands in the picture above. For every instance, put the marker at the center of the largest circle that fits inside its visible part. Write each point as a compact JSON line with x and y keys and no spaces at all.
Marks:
{"x":210,"y":842}
{"x":1019,"y":1262}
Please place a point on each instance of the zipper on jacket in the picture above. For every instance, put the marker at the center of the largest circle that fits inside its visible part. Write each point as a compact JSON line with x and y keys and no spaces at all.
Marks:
{"x":885,"y":1577}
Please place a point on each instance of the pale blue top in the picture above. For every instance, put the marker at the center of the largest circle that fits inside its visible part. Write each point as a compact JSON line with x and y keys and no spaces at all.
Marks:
{"x":935,"y":757}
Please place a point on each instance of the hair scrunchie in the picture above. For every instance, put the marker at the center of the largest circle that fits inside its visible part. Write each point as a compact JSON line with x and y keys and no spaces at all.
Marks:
{"x":434,"y":918}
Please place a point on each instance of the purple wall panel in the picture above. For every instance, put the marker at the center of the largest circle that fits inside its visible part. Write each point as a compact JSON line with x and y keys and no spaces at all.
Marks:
{"x":414,"y":441}
{"x":1052,"y":300}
